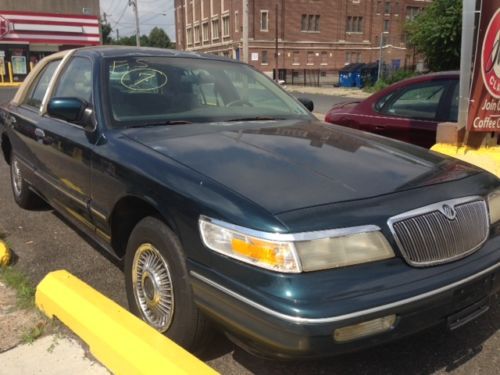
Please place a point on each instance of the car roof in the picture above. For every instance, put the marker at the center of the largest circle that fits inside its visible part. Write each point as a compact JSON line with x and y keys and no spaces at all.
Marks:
{"x":111,"y":51}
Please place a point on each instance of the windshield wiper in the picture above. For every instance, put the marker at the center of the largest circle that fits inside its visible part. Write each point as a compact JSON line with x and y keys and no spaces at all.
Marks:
{"x":161,"y":123}
{"x":255,"y":118}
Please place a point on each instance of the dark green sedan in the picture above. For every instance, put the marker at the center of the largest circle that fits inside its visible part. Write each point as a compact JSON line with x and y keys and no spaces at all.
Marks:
{"x":227,"y":202}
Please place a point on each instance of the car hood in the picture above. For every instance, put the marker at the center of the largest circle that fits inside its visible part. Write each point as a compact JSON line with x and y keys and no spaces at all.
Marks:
{"x":288,"y":165}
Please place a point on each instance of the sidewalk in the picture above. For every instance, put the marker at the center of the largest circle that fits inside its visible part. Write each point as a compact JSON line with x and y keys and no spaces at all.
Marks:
{"x":331,"y":91}
{"x":23,"y":352}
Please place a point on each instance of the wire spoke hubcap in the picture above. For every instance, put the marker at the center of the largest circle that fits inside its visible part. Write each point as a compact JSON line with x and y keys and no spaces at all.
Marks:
{"x":152,"y":286}
{"x":17,"y":178}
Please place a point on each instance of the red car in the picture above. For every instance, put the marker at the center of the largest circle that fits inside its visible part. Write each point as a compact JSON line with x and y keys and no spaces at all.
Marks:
{"x":408,"y":110}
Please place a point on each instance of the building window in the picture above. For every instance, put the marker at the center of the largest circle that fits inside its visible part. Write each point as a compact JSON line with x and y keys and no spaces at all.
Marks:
{"x":354,"y":24}
{"x":264,"y":58}
{"x":296,"y":58}
{"x":236,"y":23}
{"x":310,"y":58}
{"x":387,"y":26}
{"x":225,"y":26}
{"x":204,"y":31}
{"x":379,"y":7}
{"x":412,"y":13}
{"x":197,"y":34}
{"x":324,"y":58}
{"x":215,"y":29}
{"x":352,"y":57}
{"x":396,"y":8}
{"x":189,"y":33}
{"x":387,"y":7}
{"x":264,"y":20}
{"x":310,"y":22}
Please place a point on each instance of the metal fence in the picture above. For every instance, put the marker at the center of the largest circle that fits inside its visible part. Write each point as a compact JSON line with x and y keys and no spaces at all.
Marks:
{"x":309,"y":77}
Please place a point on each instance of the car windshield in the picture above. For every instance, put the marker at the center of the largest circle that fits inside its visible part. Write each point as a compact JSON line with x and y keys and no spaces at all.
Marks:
{"x":172,"y":91}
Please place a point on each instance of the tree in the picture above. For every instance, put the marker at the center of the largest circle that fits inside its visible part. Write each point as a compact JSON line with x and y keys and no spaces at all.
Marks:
{"x":437,"y":34}
{"x":106,"y":32}
{"x":159,"y":38}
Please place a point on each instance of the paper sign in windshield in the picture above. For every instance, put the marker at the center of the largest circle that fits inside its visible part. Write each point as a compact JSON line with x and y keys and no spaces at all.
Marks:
{"x":144,"y":79}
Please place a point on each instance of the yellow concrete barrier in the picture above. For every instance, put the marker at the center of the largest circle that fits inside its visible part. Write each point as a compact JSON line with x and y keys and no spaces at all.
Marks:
{"x":119,"y":340}
{"x":4,"y":254}
{"x":486,"y":157}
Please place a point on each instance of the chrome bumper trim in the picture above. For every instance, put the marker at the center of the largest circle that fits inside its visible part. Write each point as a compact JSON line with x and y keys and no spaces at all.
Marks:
{"x":338,"y":318}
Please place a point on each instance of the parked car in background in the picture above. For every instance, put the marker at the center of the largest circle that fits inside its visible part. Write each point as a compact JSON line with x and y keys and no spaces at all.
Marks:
{"x":227,"y":201}
{"x":409,"y":110}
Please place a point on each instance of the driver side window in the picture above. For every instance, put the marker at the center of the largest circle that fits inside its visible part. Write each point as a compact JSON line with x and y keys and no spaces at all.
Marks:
{"x":76,"y":81}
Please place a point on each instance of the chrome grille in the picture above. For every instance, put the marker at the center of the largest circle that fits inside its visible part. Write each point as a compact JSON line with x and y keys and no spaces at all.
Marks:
{"x":441,"y":232}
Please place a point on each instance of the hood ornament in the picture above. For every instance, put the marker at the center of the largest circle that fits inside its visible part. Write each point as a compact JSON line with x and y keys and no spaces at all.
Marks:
{"x":448,"y":211}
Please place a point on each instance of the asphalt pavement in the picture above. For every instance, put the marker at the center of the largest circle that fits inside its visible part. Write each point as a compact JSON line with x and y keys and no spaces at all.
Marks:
{"x":44,"y":242}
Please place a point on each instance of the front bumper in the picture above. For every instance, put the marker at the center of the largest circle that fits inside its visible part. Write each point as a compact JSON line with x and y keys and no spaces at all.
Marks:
{"x":265,"y":331}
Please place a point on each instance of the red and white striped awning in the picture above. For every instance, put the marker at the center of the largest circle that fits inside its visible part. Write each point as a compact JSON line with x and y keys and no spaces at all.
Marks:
{"x":49,"y":28}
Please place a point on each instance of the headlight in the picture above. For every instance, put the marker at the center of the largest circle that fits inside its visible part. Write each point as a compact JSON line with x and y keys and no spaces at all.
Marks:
{"x":295,"y":253}
{"x":494,"y":206}
{"x":343,"y":251}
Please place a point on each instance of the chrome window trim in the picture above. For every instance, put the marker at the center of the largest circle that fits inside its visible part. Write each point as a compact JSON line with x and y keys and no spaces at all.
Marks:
{"x":339,"y":318}
{"x":427,"y":209}
{"x":293,"y":237}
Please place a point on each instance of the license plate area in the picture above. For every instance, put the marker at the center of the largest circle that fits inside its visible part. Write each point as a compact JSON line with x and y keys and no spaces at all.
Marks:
{"x":468,"y":314}
{"x":471,"y":293}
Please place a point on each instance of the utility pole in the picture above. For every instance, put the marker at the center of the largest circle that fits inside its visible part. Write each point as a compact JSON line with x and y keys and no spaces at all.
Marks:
{"x":276,"y":76}
{"x":245,"y":31}
{"x":117,"y":34}
{"x":133,"y":4}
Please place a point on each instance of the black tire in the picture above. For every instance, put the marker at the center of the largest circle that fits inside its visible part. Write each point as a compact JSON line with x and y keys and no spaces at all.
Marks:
{"x":187,"y":327}
{"x":24,"y":197}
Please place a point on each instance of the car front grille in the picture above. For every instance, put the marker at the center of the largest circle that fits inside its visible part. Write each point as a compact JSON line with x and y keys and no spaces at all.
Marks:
{"x":442,"y":232}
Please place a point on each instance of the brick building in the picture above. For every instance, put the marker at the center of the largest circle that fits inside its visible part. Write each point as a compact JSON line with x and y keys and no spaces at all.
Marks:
{"x":311,"y":34}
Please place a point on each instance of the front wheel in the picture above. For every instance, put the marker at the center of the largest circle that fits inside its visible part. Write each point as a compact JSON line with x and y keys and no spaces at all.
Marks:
{"x":158,"y":289}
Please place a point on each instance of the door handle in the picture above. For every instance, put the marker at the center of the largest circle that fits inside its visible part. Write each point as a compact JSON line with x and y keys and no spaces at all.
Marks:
{"x":39,"y":133}
{"x":379,"y":128}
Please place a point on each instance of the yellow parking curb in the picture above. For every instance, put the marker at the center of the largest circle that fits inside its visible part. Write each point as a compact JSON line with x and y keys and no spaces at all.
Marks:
{"x":485,"y":157}
{"x":119,"y":340}
{"x":4,"y":254}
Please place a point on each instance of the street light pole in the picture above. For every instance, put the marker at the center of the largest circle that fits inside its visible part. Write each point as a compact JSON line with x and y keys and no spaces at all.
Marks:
{"x":133,"y":4}
{"x":245,"y":31}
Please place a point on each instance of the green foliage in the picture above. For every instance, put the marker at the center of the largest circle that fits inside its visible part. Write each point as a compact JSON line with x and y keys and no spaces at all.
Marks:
{"x":106,"y":32}
{"x":381,"y":84}
{"x":159,"y":38}
{"x":20,"y":283}
{"x":156,"y":38}
{"x":34,"y":333}
{"x":437,"y":33}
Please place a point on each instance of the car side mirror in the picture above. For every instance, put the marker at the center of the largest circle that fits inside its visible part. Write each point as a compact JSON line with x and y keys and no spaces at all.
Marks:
{"x":73,"y":110}
{"x":308,"y":103}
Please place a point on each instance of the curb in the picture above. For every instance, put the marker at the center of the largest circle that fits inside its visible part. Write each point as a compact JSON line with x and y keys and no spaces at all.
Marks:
{"x":4,"y":254}
{"x":487,"y":158}
{"x":119,"y":340}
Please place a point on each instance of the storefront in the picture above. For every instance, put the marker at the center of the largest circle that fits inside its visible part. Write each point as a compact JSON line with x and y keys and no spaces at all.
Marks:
{"x":27,"y":37}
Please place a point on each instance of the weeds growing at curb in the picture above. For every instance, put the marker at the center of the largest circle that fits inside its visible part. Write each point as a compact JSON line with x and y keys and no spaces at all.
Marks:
{"x":20,"y":283}
{"x":34,"y":333}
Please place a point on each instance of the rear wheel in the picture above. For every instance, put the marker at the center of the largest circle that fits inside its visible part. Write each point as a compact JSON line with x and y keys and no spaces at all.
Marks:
{"x":23,"y":196}
{"x":158,"y":289}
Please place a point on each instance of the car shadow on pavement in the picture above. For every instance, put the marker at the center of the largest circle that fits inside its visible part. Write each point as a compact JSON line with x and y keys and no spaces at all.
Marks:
{"x":435,"y":350}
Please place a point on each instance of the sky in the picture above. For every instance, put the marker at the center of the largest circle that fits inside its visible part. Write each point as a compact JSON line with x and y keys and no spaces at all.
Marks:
{"x":151,"y":13}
